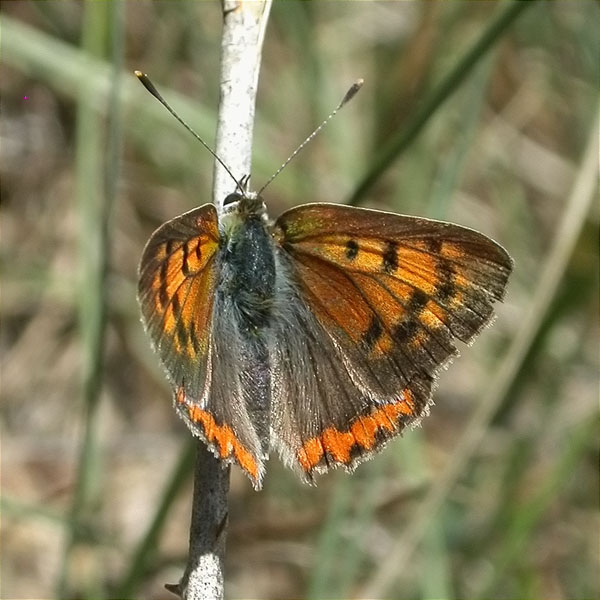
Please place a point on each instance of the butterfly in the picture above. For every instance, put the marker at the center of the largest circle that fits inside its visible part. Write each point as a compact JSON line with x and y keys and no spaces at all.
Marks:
{"x":318,"y":335}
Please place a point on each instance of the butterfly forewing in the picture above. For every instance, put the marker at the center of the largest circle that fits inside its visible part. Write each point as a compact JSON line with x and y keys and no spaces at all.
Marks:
{"x":383,"y":296}
{"x":177,"y":281}
{"x":430,"y":267}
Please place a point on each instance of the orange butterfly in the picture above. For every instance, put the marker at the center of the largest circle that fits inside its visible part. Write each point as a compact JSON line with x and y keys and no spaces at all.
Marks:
{"x":319,"y":335}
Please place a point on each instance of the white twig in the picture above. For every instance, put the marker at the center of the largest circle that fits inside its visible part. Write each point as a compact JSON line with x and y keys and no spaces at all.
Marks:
{"x":244,"y":26}
{"x":244,"y":23}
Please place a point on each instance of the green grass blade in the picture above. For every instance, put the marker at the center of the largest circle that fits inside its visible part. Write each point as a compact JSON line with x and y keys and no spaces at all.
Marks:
{"x":510,"y":12}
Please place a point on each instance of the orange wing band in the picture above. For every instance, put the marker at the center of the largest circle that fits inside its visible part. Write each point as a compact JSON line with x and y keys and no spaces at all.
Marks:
{"x":223,"y":437}
{"x":362,"y":433}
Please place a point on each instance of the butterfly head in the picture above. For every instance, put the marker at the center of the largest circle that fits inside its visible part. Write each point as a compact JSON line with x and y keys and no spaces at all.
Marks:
{"x":240,"y":207}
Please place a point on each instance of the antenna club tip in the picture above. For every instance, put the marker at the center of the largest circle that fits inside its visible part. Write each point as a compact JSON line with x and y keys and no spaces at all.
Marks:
{"x":352,"y":91}
{"x":145,"y":81}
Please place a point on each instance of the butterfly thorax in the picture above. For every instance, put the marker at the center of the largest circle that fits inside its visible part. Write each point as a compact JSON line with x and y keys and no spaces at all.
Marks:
{"x":247,"y":278}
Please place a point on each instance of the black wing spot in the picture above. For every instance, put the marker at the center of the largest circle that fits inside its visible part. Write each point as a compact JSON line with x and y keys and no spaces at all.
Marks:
{"x":185,"y":267}
{"x":417,"y":301}
{"x":447,"y":289}
{"x":434,"y":245}
{"x":373,"y":333}
{"x":405,"y":331}
{"x":181,"y":332}
{"x":194,"y":339}
{"x":390,"y":257}
{"x":351,"y":249}
{"x":163,"y":297}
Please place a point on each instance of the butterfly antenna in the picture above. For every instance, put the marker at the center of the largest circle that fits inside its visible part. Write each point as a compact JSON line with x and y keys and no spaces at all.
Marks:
{"x":347,"y":97}
{"x":150,"y":87}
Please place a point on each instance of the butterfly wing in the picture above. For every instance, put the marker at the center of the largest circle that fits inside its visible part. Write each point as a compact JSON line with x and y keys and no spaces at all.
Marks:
{"x":177,"y":292}
{"x":379,"y":299}
{"x":177,"y":279}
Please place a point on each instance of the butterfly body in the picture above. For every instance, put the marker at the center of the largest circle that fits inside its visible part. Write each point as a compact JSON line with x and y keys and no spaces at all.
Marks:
{"x":318,"y":336}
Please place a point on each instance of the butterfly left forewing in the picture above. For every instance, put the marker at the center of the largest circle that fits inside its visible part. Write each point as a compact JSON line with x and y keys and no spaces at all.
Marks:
{"x":388,"y":294}
{"x":177,"y":281}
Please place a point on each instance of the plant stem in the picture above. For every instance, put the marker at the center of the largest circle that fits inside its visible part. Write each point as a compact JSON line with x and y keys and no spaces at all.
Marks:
{"x":244,"y":24}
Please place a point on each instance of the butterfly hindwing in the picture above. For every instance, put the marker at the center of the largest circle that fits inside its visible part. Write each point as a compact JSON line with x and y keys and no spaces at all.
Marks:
{"x":380,"y":299}
{"x":193,"y":331}
{"x":326,"y":407}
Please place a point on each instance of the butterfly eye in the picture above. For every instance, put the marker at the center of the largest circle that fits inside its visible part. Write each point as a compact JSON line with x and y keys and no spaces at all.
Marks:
{"x":234,"y":197}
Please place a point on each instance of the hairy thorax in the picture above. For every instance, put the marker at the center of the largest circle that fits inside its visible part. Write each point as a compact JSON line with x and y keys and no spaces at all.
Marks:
{"x":247,"y":280}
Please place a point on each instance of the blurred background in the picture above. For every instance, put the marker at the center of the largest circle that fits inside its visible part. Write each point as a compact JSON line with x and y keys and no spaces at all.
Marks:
{"x":482,"y":112}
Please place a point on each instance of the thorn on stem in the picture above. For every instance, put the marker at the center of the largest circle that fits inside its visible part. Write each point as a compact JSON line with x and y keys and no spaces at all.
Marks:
{"x":174,"y":588}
